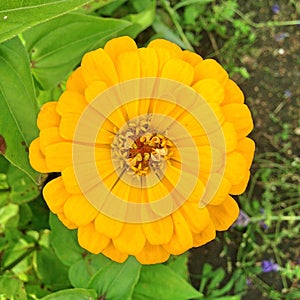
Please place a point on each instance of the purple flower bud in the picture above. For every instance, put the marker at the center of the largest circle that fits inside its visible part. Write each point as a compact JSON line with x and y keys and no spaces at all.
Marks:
{"x":275,"y":9}
{"x":269,"y":266}
{"x":242,"y":220}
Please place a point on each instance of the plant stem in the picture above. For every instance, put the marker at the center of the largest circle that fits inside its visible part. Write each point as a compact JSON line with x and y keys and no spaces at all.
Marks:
{"x":266,"y":24}
{"x":166,"y":5}
{"x":275,"y":218}
{"x":18,"y":260}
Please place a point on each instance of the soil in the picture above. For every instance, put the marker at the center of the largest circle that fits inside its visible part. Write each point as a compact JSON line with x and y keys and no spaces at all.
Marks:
{"x":272,"y":93}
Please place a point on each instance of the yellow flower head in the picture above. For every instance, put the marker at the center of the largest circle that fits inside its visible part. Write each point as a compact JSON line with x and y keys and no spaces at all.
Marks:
{"x":150,"y":142}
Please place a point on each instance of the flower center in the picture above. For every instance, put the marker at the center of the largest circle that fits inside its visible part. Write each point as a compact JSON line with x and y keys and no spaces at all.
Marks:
{"x":148,"y":148}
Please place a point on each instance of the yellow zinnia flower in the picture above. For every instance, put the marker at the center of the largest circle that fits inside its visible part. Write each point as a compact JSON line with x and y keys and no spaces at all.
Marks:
{"x":150,"y":143}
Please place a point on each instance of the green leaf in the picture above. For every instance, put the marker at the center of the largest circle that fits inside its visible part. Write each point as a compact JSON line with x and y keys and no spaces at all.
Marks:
{"x":7,"y":213}
{"x":18,"y":15}
{"x":94,"y":5}
{"x":141,"y":20}
{"x":81,"y":272}
{"x":18,"y":107}
{"x":40,"y":214}
{"x":164,"y":31}
{"x":161,"y":282}
{"x":72,"y":294}
{"x":64,"y":242}
{"x":116,"y":281}
{"x":11,"y":288}
{"x":23,"y":189}
{"x":57,"y":46}
{"x":57,"y":277}
{"x":179,"y":264}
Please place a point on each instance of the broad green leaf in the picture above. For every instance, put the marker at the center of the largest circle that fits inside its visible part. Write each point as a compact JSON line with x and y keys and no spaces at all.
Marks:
{"x":72,"y":294}
{"x":40,"y":214}
{"x":179,"y":264}
{"x":55,"y":279}
{"x":94,"y":5}
{"x":117,"y":281}
{"x":7,"y":213}
{"x":141,"y":20}
{"x":57,"y":46}
{"x":163,"y":30}
{"x":22,"y":188}
{"x":64,"y":242}
{"x":81,"y":272}
{"x":109,"y":9}
{"x":161,"y":282}
{"x":18,"y":15}
{"x":18,"y":106}
{"x":4,"y":164}
{"x":12,"y":288}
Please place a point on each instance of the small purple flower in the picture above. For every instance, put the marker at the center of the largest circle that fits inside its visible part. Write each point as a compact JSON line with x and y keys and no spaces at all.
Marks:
{"x":275,"y":9}
{"x":269,"y":266}
{"x":287,"y":94}
{"x":281,"y":36}
{"x":242,"y":220}
{"x":263,"y":225}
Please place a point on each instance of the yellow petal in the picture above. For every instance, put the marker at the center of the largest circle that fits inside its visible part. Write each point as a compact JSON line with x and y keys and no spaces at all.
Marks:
{"x":179,"y":70}
{"x":91,"y":240}
{"x":230,"y":136}
{"x":211,"y":159}
{"x":172,"y":48}
{"x":233,"y":93}
{"x":225,"y":214}
{"x":197,"y":192}
{"x":128,"y":66}
{"x":59,"y":156}
{"x":119,"y":45}
{"x":165,"y":50}
{"x":61,"y":216}
{"x":55,"y":195}
{"x":71,"y":102}
{"x":68,"y":125}
{"x":94,"y":89}
{"x":114,"y":254}
{"x":209,"y":68}
{"x":49,"y":136}
{"x":48,"y":117}
{"x":131,"y":240}
{"x":70,"y":180}
{"x":149,"y":62}
{"x":160,"y":231}
{"x":196,"y":218}
{"x":191,"y":57}
{"x":240,"y":116}
{"x":36,"y":157}
{"x":79,"y":211}
{"x":152,"y":254}
{"x":182,"y":239}
{"x":207,"y":235}
{"x":222,"y":189}
{"x":246,"y":147}
{"x":210,"y":89}
{"x":240,"y":188}
{"x":98,"y":66}
{"x":108,"y":226}
{"x":236,"y":167}
{"x":76,"y":82}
